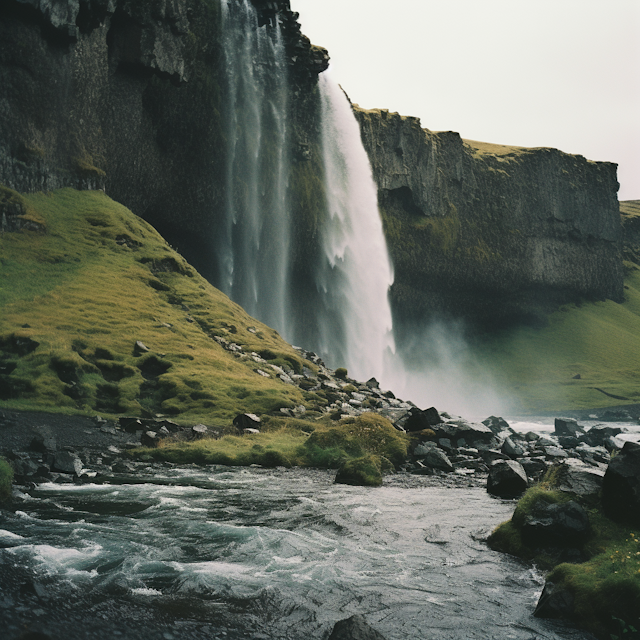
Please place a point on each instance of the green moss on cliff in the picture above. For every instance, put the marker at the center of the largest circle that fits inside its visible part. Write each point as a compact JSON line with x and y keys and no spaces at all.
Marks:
{"x":76,"y":300}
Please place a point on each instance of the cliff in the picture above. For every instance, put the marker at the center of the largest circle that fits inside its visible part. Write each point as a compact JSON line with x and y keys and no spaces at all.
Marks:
{"x":127,"y":96}
{"x":491,"y":233}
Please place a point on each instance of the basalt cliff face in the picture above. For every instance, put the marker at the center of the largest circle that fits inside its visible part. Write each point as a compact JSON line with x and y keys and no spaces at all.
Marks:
{"x":490,"y":233}
{"x":127,"y":96}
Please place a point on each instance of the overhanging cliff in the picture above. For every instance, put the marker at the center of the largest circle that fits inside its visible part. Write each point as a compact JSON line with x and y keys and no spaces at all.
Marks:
{"x":490,"y":233}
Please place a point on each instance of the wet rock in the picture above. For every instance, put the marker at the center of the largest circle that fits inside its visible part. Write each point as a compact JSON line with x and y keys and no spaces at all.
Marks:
{"x":511,"y":449}
{"x":568,"y":442}
{"x":535,"y":468}
{"x":621,"y":485}
{"x":597,"y":454}
{"x":544,"y":441}
{"x":437,"y":459}
{"x":354,"y":628}
{"x":564,"y":525}
{"x":246,"y":421}
{"x":554,"y":602}
{"x":423,"y":448}
{"x":531,"y":436}
{"x":489,"y":456}
{"x":573,"y":476}
{"x":419,"y":420}
{"x":599,"y":434}
{"x":496,"y":424}
{"x":507,"y":479}
{"x":66,"y":462}
{"x":149,"y":439}
{"x":555,"y":453}
{"x":471,"y":434}
{"x":568,"y":427}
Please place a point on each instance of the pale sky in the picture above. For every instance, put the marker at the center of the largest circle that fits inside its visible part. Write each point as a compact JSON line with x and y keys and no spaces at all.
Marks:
{"x":532,"y":73}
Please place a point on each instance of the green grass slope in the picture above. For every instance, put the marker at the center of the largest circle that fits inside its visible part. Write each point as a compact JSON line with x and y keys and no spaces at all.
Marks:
{"x":587,"y":356}
{"x":82,"y":281}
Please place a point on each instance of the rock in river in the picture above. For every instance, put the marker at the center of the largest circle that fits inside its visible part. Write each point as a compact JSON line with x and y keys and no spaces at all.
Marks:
{"x":507,"y":479}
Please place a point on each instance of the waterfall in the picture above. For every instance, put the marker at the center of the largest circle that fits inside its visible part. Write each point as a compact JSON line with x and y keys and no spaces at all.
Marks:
{"x":347,"y":294}
{"x":252,"y":247}
{"x":356,"y":273}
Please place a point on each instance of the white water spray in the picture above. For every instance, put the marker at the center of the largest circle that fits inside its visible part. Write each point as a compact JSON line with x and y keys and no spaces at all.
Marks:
{"x":356,"y":274}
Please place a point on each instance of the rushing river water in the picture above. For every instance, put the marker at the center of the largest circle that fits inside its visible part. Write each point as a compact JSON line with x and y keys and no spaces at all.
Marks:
{"x":253,"y":553}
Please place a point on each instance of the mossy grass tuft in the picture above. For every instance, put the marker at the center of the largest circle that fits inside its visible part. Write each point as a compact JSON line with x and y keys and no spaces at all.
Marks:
{"x":6,"y":478}
{"x":288,"y":441}
{"x":364,"y":471}
{"x":607,"y":586}
{"x":77,"y":299}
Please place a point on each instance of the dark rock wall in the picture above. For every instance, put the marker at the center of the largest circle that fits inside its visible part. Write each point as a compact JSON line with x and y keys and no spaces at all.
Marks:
{"x":490,"y":233}
{"x":127,"y":96}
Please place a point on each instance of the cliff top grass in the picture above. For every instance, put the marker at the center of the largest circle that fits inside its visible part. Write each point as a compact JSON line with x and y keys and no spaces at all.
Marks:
{"x":496,"y":149}
{"x":630,"y":208}
{"x":607,"y":586}
{"x":76,"y":298}
{"x":585,"y":357}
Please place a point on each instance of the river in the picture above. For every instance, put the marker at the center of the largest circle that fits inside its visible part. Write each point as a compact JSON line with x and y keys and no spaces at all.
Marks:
{"x":221,"y":552}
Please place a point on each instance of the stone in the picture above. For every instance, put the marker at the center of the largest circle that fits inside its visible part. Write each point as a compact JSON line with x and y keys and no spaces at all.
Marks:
{"x":535,"y":468}
{"x":130,"y":425}
{"x":372,"y":383}
{"x":568,"y":442}
{"x":573,"y":476}
{"x":489,"y":456}
{"x":556,"y":525}
{"x":140,"y":348}
{"x":620,"y":415}
{"x":423,"y":448}
{"x":419,"y":420}
{"x":621,"y":485}
{"x":66,"y":462}
{"x":248,"y":431}
{"x":199,"y":431}
{"x":507,"y":479}
{"x":598,"y":454}
{"x":43,"y":443}
{"x":354,"y":628}
{"x":437,"y":459}
{"x":496,"y":424}
{"x":568,"y":427}
{"x":599,"y":434}
{"x":554,"y":602}
{"x":246,"y":421}
{"x":149,"y":439}
{"x":531,"y":436}
{"x":555,"y":452}
{"x":511,"y":449}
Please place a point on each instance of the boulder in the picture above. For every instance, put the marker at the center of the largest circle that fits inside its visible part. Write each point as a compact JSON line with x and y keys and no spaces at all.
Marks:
{"x":555,"y":453}
{"x":511,"y":449}
{"x":199,"y":431}
{"x":66,"y":462}
{"x":507,"y":479}
{"x":620,"y":415}
{"x":556,"y":525}
{"x":43,"y":443}
{"x":437,"y":459}
{"x":573,"y":476}
{"x":554,"y":602}
{"x":496,"y":424}
{"x":489,"y":456}
{"x":354,"y":628}
{"x":471,"y":433}
{"x":568,"y":427}
{"x":149,"y":439}
{"x":568,"y":442}
{"x":531,"y":436}
{"x":419,"y":420}
{"x":599,"y":434}
{"x":535,"y":468}
{"x":621,"y":485}
{"x":246,"y":421}
{"x":423,"y":448}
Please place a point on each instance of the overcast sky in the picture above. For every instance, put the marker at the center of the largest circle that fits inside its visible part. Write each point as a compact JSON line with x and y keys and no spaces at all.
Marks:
{"x":556,"y":73}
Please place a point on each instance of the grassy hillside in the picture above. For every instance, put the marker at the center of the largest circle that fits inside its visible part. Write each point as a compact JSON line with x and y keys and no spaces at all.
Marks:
{"x":82,"y":281}
{"x":587,"y":356}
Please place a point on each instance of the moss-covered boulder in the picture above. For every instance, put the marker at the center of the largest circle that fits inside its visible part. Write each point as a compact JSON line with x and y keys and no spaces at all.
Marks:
{"x":365,"y":472}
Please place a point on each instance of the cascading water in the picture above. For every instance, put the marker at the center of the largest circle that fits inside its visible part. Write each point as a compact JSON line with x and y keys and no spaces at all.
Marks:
{"x":356,"y":273}
{"x":252,"y":246}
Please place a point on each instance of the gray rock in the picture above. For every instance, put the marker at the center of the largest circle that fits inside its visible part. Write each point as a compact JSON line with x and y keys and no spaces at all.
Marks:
{"x":535,"y":468}
{"x":555,"y":452}
{"x":43,"y":443}
{"x":489,"y":456}
{"x":354,"y":628}
{"x":423,"y":448}
{"x":507,"y":479}
{"x":66,"y":462}
{"x":568,"y":442}
{"x":199,"y":431}
{"x":556,"y":525}
{"x":599,"y":434}
{"x":568,"y":427}
{"x":554,"y":602}
{"x":573,"y":476}
{"x":531,"y":436}
{"x":149,"y":439}
{"x":437,"y":459}
{"x":621,"y":485}
{"x":496,"y":424}
{"x":511,"y":449}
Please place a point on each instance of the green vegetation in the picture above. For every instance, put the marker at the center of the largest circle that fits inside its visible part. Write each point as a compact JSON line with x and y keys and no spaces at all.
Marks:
{"x":605,"y":587}
{"x":585,"y":357}
{"x":77,"y":298}
{"x":366,"y":442}
{"x":6,"y":478}
{"x":362,"y":472}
